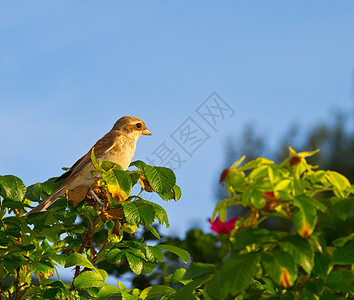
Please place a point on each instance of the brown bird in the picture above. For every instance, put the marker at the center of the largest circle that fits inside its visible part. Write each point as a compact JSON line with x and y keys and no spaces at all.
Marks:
{"x":118,"y":146}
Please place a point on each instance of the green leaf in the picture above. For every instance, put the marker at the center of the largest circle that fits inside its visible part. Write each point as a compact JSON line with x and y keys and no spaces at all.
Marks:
{"x":314,"y":203}
{"x":259,"y":172}
{"x":153,"y":231}
{"x":237,"y":271}
{"x":89,"y":279}
{"x":139,"y":212}
{"x":94,"y":161}
{"x":341,"y":281}
{"x":252,"y":164}
{"x":322,"y":264}
{"x":176,"y":276}
{"x":50,"y":293}
{"x":135,"y":263}
{"x":44,"y":267}
{"x":340,"y":242}
{"x":238,"y":162}
{"x":12,"y":187}
{"x":342,"y":207}
{"x":269,"y":286}
{"x":14,"y":204}
{"x":305,"y":218}
{"x":308,"y":153}
{"x":148,"y":267}
{"x":174,"y":194}
{"x":301,"y":251}
{"x":183,"y":254}
{"x":108,"y":291}
{"x":118,"y":183}
{"x":280,"y":266}
{"x":249,"y":236}
{"x":345,"y":255}
{"x":338,"y":180}
{"x":107,"y":165}
{"x":154,"y":254}
{"x":134,"y":176}
{"x":161,"y":179}
{"x":11,"y":263}
{"x":77,"y":259}
{"x":186,"y":292}
{"x":115,"y":255}
{"x":160,"y":214}
{"x":152,"y":292}
{"x":198,"y":269}
{"x":257,"y":200}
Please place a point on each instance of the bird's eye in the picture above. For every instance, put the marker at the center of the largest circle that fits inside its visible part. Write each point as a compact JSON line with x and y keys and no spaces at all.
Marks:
{"x":138,"y":125}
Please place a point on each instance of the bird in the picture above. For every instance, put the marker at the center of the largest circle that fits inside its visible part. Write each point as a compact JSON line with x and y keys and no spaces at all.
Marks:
{"x":118,"y":146}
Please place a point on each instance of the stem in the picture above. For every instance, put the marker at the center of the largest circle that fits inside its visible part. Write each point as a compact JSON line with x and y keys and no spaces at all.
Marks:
{"x":89,"y":234}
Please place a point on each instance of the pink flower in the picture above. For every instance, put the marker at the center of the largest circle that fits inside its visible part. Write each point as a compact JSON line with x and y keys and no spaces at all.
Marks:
{"x":223,"y":227}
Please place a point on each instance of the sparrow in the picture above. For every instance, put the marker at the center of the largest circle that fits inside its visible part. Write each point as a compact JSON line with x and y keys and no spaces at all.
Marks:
{"x":118,"y":146}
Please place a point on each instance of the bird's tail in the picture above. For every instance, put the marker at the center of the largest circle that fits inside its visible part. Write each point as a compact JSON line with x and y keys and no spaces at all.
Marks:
{"x":49,"y":201}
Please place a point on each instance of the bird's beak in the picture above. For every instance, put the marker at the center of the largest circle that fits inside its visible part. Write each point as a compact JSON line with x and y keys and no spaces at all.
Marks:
{"x":147,"y":132}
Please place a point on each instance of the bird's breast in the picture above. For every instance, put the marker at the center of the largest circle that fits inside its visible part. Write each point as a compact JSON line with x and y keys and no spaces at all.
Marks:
{"x":121,"y":153}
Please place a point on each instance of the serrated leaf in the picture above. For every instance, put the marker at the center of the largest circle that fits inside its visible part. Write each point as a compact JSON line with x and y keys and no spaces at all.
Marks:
{"x":161,"y":179}
{"x":135,"y":263}
{"x":139,"y":212}
{"x":160,"y":214}
{"x":77,"y":259}
{"x":115,"y":255}
{"x":183,"y":254}
{"x":174,"y":194}
{"x":154,"y":254}
{"x":89,"y":279}
{"x":152,"y":292}
{"x":107,"y":291}
{"x":12,"y":187}
{"x":153,"y":231}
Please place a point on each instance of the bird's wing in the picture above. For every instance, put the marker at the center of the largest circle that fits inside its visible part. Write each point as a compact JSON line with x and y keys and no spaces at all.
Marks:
{"x":102,"y":146}
{"x":67,"y":174}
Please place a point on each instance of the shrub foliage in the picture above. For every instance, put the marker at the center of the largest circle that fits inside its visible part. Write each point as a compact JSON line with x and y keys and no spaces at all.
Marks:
{"x":250,"y":261}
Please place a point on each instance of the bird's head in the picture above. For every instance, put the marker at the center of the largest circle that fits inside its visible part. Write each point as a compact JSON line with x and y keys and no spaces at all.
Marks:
{"x":131,"y":125}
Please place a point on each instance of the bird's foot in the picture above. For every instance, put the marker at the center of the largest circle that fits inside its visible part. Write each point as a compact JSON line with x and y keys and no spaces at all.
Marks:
{"x":93,"y":194}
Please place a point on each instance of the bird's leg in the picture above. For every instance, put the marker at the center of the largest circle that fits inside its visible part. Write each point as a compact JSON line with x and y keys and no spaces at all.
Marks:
{"x":93,"y":194}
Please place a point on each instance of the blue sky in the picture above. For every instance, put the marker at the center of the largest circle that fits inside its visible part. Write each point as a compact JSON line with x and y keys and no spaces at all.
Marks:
{"x":70,"y":69}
